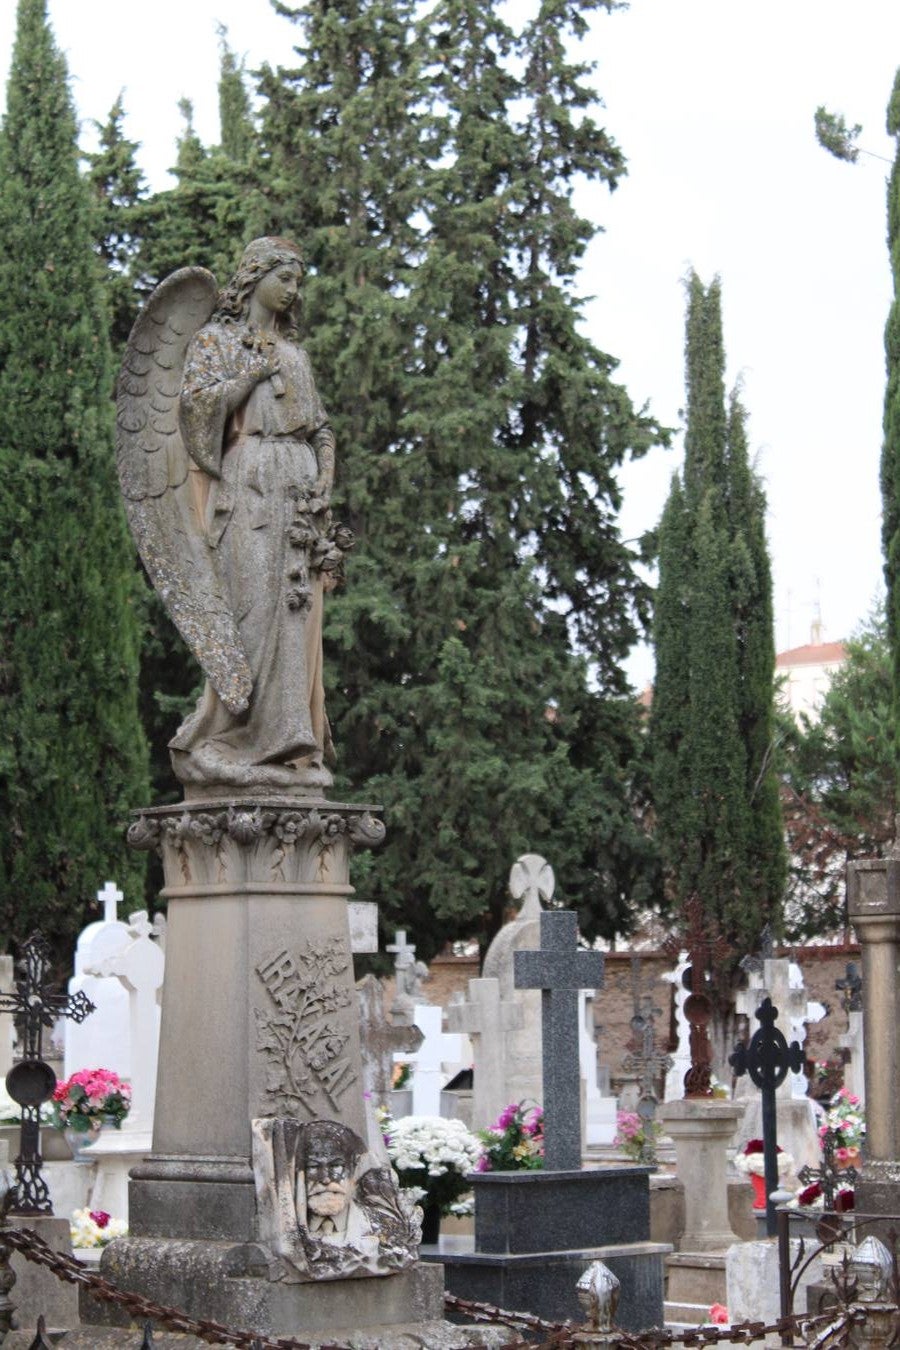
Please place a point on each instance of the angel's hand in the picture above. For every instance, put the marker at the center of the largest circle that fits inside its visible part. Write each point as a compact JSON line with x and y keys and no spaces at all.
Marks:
{"x":264,"y":364}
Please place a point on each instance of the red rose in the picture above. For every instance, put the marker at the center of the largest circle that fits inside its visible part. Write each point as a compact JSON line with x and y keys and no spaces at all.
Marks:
{"x":100,"y":1217}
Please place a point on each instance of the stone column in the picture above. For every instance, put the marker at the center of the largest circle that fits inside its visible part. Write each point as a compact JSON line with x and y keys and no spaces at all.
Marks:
{"x":873,"y":898}
{"x":702,"y":1130}
{"x":259,"y":1010}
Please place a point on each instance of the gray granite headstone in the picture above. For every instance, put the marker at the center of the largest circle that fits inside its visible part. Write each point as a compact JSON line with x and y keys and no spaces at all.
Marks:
{"x":559,"y":970}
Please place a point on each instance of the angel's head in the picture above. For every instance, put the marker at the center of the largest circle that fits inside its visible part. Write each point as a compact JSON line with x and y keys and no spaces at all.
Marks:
{"x":259,"y":258}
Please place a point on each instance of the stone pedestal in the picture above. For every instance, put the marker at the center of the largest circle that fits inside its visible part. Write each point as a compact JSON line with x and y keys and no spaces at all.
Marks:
{"x":259,"y":1011}
{"x":702,"y":1130}
{"x":873,"y":898}
{"x":259,"y":1018}
{"x":536,"y":1231}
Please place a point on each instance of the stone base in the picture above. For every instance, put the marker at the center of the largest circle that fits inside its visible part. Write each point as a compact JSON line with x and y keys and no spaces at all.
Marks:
{"x":754,"y":1293}
{"x":544,"y":1282}
{"x":224,"y":1282}
{"x":878,"y":1188}
{"x":519,"y":1212}
{"x":696,"y":1277}
{"x":37,"y":1292}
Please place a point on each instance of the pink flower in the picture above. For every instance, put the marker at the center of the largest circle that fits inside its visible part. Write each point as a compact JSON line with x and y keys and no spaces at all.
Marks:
{"x":718,"y":1313}
{"x":100,"y":1217}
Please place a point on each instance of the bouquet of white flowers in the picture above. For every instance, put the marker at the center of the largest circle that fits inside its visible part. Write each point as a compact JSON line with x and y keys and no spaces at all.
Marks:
{"x":94,"y":1228}
{"x":432,"y":1157}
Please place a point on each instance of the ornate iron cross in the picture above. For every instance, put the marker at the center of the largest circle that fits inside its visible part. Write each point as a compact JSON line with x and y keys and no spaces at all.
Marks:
{"x":30,"y":1083}
{"x":829,"y":1176}
{"x":767,"y":1059}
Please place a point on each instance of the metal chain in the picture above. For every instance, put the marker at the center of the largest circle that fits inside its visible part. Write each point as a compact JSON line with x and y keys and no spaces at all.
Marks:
{"x":561,"y":1334}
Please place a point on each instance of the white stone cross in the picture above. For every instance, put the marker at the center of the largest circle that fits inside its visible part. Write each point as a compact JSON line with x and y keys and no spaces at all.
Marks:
{"x":402,"y":950}
{"x":437,"y":1049}
{"x":110,"y":898}
{"x":531,"y":880}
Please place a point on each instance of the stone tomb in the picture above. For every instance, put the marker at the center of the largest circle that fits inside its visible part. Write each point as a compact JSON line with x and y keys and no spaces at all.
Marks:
{"x":536,"y":1231}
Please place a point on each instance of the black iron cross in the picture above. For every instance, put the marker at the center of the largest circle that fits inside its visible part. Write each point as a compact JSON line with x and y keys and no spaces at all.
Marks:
{"x":30,"y":1083}
{"x":767,"y":1059}
{"x":851,"y":988}
{"x":830,"y":1177}
{"x":559,"y":970}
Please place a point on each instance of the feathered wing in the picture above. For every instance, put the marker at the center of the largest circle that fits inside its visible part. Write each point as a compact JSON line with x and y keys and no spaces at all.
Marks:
{"x":155,"y":479}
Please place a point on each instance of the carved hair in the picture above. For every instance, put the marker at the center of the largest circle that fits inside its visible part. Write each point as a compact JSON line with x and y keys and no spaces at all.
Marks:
{"x":345,"y":1142}
{"x":260,"y":257}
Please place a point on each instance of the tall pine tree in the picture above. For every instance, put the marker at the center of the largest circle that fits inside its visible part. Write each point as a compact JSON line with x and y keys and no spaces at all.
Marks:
{"x":714,"y":781}
{"x":479,"y":432}
{"x":72,"y":753}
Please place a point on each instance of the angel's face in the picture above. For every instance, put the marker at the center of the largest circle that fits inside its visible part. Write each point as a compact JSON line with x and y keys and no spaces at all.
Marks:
{"x":278,"y":290}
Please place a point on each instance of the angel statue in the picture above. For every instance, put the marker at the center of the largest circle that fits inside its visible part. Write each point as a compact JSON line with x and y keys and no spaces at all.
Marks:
{"x":226,"y":461}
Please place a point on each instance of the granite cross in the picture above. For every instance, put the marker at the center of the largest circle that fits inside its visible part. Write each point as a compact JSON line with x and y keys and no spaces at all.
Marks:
{"x":559,"y":970}
{"x":767,"y":1059}
{"x":31,"y":1081}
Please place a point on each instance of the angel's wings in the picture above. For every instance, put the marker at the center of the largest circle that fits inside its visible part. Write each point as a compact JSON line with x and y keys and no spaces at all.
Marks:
{"x":155,"y":479}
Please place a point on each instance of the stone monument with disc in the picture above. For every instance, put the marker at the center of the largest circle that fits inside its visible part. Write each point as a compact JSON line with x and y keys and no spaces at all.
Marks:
{"x":260,"y":1182}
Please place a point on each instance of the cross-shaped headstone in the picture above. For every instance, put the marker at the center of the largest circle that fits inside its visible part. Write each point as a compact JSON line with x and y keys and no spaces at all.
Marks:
{"x":31,"y":1081}
{"x":648,"y":1063}
{"x":379,"y":1040}
{"x":139,"y":966}
{"x":487,"y":1019}
{"x":404,"y":954}
{"x":559,"y":970}
{"x":110,"y":898}
{"x":767,"y":1059}
{"x":531,"y":880}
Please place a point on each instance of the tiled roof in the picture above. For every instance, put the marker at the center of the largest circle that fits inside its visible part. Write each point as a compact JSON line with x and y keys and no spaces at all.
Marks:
{"x":818,"y":654}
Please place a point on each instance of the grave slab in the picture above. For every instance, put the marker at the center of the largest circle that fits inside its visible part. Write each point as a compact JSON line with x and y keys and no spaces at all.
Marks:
{"x":544,"y":1282}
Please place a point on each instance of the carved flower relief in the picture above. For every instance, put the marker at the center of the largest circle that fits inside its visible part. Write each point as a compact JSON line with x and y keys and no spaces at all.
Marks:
{"x":245,"y":826}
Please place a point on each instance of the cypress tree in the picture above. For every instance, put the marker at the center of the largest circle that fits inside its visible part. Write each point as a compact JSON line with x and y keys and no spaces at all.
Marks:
{"x":714,"y":781}
{"x":890,"y":454}
{"x":72,"y":753}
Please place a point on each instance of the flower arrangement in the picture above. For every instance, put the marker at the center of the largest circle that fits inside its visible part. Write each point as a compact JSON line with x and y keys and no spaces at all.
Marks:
{"x":751,"y":1161}
{"x":432,"y":1157}
{"x":846,"y":1117}
{"x":94,"y":1228}
{"x":515,"y":1141}
{"x":90,"y":1097}
{"x":635,"y":1135}
{"x":400,"y":1076}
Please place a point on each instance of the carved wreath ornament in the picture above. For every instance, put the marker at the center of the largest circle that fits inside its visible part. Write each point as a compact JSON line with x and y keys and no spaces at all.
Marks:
{"x":287,"y":825}
{"x":299,"y":1033}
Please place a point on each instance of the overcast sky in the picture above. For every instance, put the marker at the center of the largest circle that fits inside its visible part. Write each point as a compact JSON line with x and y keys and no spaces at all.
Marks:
{"x":712,"y":102}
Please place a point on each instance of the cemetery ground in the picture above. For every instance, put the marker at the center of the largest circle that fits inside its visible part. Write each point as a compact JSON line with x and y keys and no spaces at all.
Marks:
{"x":657,"y":1196}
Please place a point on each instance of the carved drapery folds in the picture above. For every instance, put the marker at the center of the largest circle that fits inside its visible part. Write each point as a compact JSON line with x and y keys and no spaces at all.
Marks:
{"x":269,"y":842}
